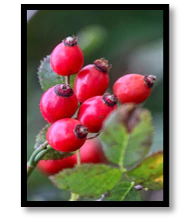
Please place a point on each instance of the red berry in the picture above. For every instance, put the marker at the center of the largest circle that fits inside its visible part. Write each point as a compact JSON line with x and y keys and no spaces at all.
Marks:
{"x":95,"y":110}
{"x":92,"y":80}
{"x":51,"y":167}
{"x":133,"y":88}
{"x":66,"y":135}
{"x":67,"y":57}
{"x":58,"y":102}
{"x":91,"y":152}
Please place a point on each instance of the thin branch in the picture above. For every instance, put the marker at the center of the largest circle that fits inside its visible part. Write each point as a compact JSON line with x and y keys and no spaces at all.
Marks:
{"x":78,"y":158}
{"x":74,"y":197}
{"x":36,"y":156}
{"x":67,"y":80}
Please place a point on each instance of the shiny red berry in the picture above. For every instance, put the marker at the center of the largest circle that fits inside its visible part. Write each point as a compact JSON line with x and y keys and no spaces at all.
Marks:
{"x":67,"y":57}
{"x":133,"y":88}
{"x":92,"y":80}
{"x":95,"y":110}
{"x":91,"y":152}
{"x":58,"y":102}
{"x":66,"y":135}
{"x":50,"y":167}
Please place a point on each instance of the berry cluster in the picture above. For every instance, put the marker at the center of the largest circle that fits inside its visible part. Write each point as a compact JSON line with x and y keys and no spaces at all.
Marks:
{"x":86,"y":101}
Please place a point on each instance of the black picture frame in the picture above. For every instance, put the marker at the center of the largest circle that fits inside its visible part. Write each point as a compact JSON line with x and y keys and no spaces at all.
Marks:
{"x":24,"y":8}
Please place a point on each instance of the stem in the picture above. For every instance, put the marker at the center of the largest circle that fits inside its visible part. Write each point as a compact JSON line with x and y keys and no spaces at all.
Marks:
{"x":78,"y":158}
{"x":67,"y":80}
{"x":96,"y":135}
{"x":37,"y":150}
{"x":41,"y":154}
{"x":29,"y":170}
{"x":36,"y":156}
{"x":74,"y":197}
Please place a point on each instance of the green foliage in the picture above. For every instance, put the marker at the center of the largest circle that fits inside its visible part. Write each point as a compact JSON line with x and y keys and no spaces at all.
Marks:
{"x":133,"y":195}
{"x":52,"y":154}
{"x":88,"y":180}
{"x":41,"y":137}
{"x":47,"y":77}
{"x":56,"y":155}
{"x":127,"y":135}
{"x":149,"y":172}
{"x":123,"y":191}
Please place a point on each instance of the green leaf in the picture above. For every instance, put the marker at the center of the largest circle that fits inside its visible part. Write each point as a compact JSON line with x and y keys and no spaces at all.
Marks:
{"x":119,"y":191}
{"x":114,"y":140}
{"x":123,"y":191}
{"x":133,"y":195}
{"x":48,"y":78}
{"x":127,"y":135}
{"x":149,"y":172}
{"x":88,"y":180}
{"x":52,"y":154}
{"x":41,"y":137}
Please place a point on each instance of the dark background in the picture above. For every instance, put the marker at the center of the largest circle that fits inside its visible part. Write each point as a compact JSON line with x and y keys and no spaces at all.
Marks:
{"x":132,"y":41}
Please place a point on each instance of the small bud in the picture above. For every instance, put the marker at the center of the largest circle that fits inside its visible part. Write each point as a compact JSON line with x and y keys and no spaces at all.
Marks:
{"x":139,"y":188}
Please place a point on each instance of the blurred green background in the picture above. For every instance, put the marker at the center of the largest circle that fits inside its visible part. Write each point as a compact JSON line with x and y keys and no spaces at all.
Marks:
{"x":132,"y":41}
